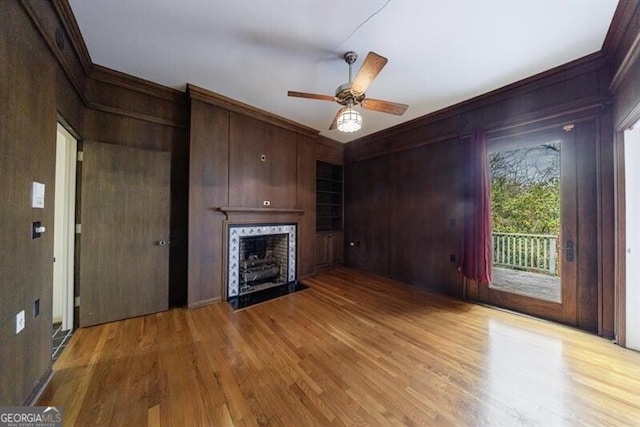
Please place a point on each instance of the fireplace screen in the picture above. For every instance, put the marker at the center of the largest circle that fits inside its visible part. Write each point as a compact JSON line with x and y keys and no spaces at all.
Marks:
{"x":260,"y":257}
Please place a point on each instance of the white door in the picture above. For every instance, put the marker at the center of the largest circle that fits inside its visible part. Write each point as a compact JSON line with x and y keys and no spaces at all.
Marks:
{"x":632,"y":215}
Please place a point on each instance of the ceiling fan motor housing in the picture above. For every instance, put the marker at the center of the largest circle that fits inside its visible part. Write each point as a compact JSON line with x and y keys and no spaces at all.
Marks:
{"x":345,"y":96}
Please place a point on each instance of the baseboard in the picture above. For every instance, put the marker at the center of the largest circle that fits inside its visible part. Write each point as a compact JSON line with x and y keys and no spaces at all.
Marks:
{"x":41,"y":386}
{"x":203,"y":303}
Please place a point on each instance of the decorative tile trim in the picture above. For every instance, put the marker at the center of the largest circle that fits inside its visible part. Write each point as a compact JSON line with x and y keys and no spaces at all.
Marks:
{"x":236,"y":232}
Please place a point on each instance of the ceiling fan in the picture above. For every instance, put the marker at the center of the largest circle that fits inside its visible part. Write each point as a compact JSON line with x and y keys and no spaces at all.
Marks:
{"x":353,"y":93}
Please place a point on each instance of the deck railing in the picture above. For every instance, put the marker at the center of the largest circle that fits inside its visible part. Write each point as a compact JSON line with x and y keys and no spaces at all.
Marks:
{"x":531,"y":252}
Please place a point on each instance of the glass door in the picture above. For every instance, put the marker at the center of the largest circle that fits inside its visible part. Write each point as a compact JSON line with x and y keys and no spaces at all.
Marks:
{"x":532,"y":218}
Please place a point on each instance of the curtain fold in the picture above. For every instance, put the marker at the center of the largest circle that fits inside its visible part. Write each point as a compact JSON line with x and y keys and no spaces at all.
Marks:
{"x":476,"y":254}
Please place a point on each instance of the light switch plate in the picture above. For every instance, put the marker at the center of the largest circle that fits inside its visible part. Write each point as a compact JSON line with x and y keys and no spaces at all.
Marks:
{"x":19,"y":322}
{"x":37,"y":195}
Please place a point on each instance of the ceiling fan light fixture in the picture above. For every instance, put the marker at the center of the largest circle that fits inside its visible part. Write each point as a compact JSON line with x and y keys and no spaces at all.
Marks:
{"x":349,"y":120}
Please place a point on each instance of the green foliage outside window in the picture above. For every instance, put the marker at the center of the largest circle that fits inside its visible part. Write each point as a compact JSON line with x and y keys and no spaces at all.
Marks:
{"x":525,"y":190}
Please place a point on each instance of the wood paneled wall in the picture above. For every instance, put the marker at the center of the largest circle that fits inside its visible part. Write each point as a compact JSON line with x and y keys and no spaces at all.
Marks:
{"x":622,"y":46}
{"x":27,"y":146}
{"x":403,"y":186}
{"x":329,"y":151}
{"x":48,"y":77}
{"x":227,"y":143}
{"x":44,"y":58}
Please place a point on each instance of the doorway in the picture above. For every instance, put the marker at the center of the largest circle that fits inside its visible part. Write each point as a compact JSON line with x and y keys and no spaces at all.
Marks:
{"x":632,"y":238}
{"x":63,"y":238}
{"x":534,"y":206}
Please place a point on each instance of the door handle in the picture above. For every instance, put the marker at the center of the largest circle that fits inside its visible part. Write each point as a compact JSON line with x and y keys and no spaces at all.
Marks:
{"x":569,"y":250}
{"x":163,"y":242}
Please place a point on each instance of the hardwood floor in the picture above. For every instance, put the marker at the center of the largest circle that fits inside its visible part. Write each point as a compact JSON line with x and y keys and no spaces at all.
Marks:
{"x":353,"y":349}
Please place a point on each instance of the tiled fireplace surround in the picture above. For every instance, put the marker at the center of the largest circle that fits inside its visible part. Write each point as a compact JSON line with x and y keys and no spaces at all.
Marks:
{"x":283,"y":233}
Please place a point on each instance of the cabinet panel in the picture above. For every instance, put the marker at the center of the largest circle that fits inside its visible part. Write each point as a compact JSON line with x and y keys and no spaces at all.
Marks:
{"x":337,"y":245}
{"x":329,"y":249}
{"x":322,"y":250}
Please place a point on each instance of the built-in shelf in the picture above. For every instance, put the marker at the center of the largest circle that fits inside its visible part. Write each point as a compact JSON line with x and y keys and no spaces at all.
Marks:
{"x":328,"y":197}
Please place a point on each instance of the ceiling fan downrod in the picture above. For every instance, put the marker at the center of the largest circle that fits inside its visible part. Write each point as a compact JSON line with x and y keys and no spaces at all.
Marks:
{"x":350,"y":57}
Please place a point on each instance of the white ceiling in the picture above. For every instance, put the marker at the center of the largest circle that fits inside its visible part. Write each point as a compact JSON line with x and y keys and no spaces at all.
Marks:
{"x":440,"y":52}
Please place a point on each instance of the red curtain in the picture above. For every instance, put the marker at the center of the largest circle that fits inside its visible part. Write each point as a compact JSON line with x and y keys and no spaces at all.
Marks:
{"x":477,"y":248}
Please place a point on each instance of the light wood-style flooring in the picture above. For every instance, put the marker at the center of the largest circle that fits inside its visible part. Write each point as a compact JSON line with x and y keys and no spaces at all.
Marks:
{"x":353,"y":349}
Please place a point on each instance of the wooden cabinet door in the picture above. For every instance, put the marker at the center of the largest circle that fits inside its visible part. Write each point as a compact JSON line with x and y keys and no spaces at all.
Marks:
{"x":328,"y":249}
{"x":124,"y":252}
{"x":323,"y":249}
{"x":336,"y":248}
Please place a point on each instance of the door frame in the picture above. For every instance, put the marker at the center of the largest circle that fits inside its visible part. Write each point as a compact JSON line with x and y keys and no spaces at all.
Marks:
{"x":566,"y":310}
{"x":64,"y":238}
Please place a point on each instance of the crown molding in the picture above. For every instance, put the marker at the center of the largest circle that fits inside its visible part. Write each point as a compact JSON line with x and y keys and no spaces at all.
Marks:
{"x":209,"y":97}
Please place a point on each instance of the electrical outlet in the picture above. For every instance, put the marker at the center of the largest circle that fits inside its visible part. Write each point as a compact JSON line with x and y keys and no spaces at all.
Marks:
{"x":19,"y":322}
{"x":266,"y":203}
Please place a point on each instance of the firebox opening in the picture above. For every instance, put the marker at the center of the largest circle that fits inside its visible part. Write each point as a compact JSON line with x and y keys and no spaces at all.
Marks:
{"x":263,"y":262}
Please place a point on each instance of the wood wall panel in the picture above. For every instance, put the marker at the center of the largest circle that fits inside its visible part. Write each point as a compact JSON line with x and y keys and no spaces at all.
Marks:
{"x":576,"y":91}
{"x":622,"y":46}
{"x":366,"y":196}
{"x":306,"y":200}
{"x":131,"y":132}
{"x":329,"y":151}
{"x":226,"y":171}
{"x":253,"y":181}
{"x":425,"y":209}
{"x":578,"y":85}
{"x":27,"y":147}
{"x":606,"y":224}
{"x":587,"y":237}
{"x":118,"y":93}
{"x":208,"y":188}
{"x":45,"y":16}
{"x":70,"y":107}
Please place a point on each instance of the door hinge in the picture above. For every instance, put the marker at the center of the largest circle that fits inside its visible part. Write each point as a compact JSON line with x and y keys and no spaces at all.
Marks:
{"x":78,"y":228}
{"x":80,"y":156}
{"x":76,"y":302}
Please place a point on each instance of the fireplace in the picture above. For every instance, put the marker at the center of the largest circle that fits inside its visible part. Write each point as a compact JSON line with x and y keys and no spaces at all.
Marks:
{"x":260,"y":257}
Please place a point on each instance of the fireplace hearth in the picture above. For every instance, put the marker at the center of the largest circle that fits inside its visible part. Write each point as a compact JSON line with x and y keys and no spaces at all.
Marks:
{"x":260,"y":257}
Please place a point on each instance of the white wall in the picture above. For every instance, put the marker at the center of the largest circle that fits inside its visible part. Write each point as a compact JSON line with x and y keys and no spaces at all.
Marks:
{"x":632,"y":197}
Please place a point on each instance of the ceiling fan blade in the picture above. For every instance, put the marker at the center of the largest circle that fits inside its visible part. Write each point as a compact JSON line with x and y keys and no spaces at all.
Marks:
{"x":384,"y":106}
{"x":371,"y":66}
{"x":334,"y":123}
{"x":311,"y":96}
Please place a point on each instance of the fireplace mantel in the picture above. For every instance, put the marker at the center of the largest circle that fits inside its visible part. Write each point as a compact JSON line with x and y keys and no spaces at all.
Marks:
{"x":236,"y":212}
{"x":231,"y":209}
